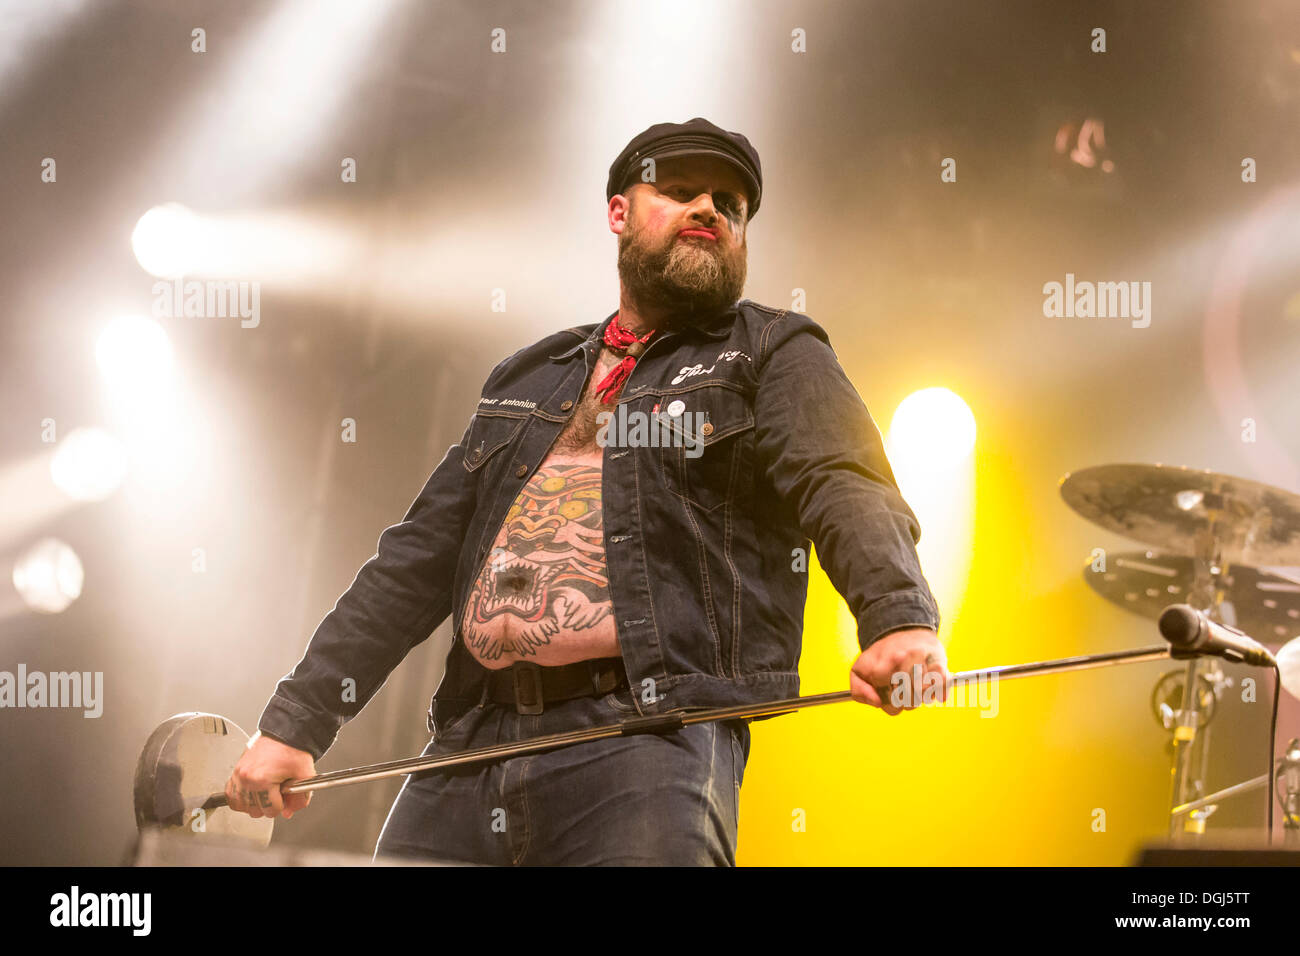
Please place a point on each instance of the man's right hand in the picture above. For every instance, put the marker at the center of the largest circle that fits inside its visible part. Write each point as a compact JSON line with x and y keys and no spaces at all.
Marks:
{"x":254,"y":784}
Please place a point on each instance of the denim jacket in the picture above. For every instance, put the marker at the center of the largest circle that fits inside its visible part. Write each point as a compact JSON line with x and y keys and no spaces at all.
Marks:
{"x":706,"y":537}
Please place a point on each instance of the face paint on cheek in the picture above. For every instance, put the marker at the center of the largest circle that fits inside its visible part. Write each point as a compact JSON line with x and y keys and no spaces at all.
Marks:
{"x":737,"y":223}
{"x":738,"y":230}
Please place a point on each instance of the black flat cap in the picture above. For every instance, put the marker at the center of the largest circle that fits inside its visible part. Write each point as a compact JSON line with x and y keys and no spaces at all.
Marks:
{"x":692,"y":138}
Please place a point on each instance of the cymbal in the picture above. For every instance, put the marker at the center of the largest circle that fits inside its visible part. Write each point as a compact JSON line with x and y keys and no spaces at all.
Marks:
{"x":1266,"y":606}
{"x":1184,"y":510}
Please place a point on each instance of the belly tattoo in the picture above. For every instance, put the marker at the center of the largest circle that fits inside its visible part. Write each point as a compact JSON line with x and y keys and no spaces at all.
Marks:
{"x":543,"y":592}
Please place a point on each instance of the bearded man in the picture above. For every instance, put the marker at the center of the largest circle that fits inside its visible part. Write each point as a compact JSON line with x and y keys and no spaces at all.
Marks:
{"x":619,"y":533}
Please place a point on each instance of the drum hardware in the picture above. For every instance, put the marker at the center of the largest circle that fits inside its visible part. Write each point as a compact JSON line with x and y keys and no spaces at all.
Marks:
{"x":1167,"y":695}
{"x":1285,"y":778}
{"x":1208,"y":529}
{"x":1287,"y":786}
{"x":1260,"y":601}
{"x":1167,"y":700}
{"x":1246,"y":786}
{"x":1197,"y":818}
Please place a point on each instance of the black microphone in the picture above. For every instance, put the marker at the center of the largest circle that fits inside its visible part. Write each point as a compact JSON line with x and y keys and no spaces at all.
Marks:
{"x":1191,"y":632}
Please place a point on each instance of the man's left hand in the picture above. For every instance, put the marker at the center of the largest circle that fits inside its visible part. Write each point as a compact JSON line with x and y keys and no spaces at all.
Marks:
{"x":914,"y":651}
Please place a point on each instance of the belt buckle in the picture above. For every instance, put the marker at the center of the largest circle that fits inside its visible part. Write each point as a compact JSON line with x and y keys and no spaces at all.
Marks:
{"x":604,"y":677}
{"x":527,"y":678}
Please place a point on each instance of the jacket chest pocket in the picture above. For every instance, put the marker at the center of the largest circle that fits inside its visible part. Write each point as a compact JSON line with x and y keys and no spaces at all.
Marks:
{"x":488,"y":435}
{"x":710,"y":457}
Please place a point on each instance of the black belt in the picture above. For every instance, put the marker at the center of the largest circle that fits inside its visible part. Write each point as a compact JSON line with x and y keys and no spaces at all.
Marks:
{"x":530,"y":687}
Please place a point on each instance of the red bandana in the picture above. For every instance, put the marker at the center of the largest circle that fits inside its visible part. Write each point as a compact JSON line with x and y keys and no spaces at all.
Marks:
{"x":620,"y":339}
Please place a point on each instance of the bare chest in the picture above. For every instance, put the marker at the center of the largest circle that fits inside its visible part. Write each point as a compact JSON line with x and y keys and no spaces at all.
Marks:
{"x":579,"y":436}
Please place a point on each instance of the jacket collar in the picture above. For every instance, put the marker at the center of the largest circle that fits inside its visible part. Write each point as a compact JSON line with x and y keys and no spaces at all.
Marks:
{"x":715,"y":328}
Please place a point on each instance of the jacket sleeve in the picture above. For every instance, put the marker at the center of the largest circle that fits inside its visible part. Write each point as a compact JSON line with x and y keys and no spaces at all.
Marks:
{"x":824,"y":455}
{"x":395,"y":602}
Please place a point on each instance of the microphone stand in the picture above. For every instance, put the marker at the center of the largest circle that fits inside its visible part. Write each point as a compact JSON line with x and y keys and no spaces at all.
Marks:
{"x":1191,"y":733}
{"x":675,"y":720}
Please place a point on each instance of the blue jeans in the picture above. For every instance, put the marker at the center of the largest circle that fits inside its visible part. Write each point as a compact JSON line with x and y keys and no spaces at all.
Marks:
{"x":649,"y":799}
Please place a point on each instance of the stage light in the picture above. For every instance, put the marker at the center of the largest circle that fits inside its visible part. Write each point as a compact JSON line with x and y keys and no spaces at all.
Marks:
{"x":273,"y":97}
{"x":88,"y":465}
{"x":135,"y":356}
{"x":930,"y":447}
{"x":48,"y":576}
{"x":933,"y":428}
{"x":167,"y":240}
{"x":161,"y":428}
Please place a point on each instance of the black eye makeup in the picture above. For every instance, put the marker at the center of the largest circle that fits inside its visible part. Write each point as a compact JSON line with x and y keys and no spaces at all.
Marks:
{"x":725,"y":200}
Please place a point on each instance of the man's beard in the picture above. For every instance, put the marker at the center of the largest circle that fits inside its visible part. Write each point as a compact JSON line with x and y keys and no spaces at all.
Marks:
{"x":682,"y":284}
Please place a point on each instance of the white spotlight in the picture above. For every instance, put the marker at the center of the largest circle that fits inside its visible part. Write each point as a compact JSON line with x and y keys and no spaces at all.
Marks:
{"x":49,"y":576}
{"x":89,"y":464}
{"x":930,"y":445}
{"x":166,"y":240}
{"x":933,"y":427}
{"x":135,"y":356}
